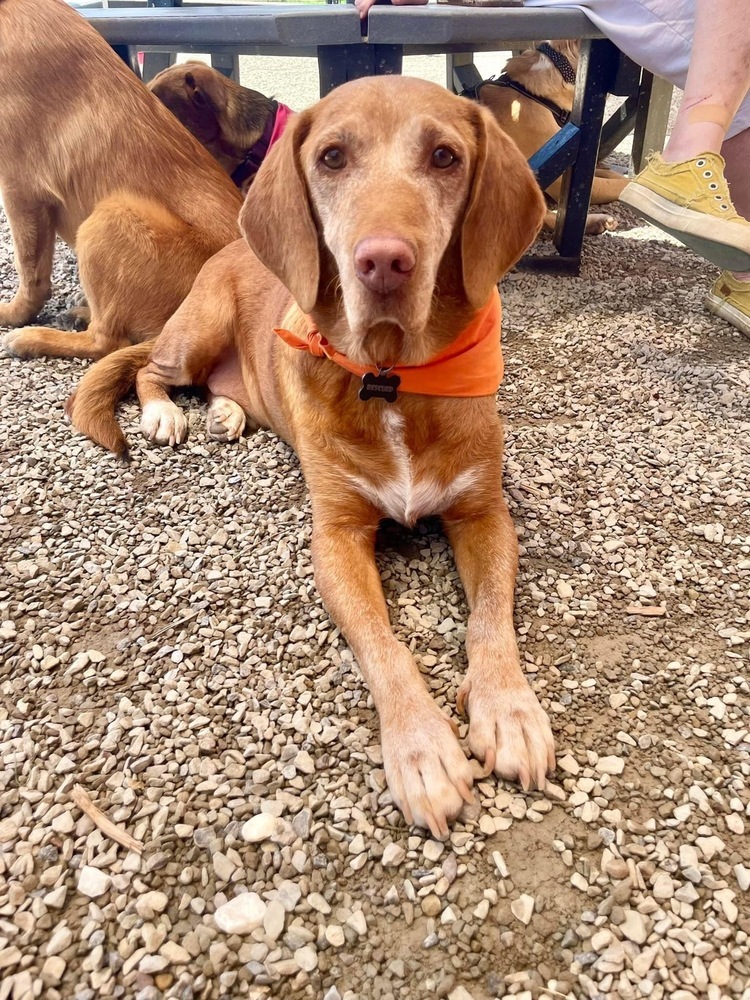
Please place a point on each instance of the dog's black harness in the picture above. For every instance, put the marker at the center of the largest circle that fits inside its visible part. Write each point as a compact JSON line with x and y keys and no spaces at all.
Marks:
{"x":567,"y":72}
{"x":257,"y":152}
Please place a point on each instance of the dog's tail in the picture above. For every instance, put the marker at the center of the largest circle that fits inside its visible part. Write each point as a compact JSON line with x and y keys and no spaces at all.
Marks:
{"x":91,"y":408}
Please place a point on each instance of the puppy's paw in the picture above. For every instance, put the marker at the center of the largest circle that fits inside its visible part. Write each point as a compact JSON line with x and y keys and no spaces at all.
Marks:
{"x":508,"y":730}
{"x":77,"y":319}
{"x":428,"y":774}
{"x":598,"y":223}
{"x":225,"y":420}
{"x":164,"y":423}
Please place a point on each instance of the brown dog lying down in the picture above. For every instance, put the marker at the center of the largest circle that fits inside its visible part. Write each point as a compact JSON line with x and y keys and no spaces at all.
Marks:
{"x":387,"y":212}
{"x":88,"y":153}
{"x":237,"y":125}
{"x":550,"y":75}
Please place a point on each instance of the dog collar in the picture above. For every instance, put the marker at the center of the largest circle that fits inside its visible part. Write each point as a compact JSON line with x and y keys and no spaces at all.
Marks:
{"x":559,"y":61}
{"x":257,"y":153}
{"x":471,"y":365}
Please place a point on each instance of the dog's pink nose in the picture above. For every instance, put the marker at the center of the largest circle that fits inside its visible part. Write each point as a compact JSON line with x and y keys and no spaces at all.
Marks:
{"x":383,"y":263}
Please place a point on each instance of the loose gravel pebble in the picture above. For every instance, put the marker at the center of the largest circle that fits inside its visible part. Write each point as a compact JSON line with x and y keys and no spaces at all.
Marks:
{"x":163,"y":645}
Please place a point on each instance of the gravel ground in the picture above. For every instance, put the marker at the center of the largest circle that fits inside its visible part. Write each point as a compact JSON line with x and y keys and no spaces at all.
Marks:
{"x":164,"y":648}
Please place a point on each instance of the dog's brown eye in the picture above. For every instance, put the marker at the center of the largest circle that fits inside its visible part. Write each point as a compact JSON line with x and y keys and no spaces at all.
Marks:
{"x":443,"y":158}
{"x":334,"y":158}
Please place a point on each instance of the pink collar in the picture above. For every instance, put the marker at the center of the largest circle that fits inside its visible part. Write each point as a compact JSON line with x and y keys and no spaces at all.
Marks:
{"x":257,"y":153}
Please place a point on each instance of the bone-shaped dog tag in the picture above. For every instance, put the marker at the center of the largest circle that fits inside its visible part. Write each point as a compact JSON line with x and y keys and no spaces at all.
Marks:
{"x":380,"y":386}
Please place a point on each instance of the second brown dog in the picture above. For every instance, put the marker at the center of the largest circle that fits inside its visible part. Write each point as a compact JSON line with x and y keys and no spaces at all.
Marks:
{"x":87,"y":153}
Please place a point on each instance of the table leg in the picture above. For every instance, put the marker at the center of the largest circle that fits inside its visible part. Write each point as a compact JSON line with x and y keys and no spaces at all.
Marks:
{"x":338,"y":64}
{"x":227,"y":63}
{"x":596,"y":70}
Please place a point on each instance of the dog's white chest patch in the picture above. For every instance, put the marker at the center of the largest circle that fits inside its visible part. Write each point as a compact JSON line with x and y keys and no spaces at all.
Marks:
{"x":404,"y":496}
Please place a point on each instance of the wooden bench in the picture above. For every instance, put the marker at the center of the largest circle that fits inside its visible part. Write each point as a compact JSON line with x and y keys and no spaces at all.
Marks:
{"x":347,"y":49}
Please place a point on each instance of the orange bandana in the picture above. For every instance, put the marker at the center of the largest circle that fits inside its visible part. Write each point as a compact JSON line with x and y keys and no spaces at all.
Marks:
{"x":472,"y":365}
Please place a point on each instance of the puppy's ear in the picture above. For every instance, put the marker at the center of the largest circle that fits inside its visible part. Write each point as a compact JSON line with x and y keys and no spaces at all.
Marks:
{"x":205,"y":87}
{"x":504,"y":213}
{"x":277,"y":219}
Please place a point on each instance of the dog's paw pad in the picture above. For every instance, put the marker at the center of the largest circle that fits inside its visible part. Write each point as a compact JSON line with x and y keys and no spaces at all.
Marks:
{"x":163,"y":423}
{"x":225,"y":420}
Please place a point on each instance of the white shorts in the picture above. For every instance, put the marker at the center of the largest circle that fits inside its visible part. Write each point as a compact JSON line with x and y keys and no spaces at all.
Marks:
{"x":656,"y":34}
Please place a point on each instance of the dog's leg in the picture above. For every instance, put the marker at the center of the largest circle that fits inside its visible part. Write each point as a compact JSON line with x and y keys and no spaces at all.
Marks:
{"x":33,"y":231}
{"x":46,"y":341}
{"x":607,"y":189}
{"x":428,"y":775}
{"x":186,"y":352}
{"x":508,"y":728}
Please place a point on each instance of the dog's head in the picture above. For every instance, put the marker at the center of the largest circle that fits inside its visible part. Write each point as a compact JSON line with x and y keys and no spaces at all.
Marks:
{"x":196,"y":94}
{"x":383,"y":203}
{"x":225,"y":117}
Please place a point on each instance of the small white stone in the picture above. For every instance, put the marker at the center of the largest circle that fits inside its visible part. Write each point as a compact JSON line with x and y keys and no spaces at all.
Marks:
{"x":682,"y":813}
{"x":448,"y":916}
{"x":393,"y":855}
{"x":564,"y":590}
{"x":500,"y":864}
{"x":318,"y":903}
{"x":150,"y":903}
{"x":241,"y":915}
{"x":357,"y":846}
{"x":569,"y":764}
{"x":93,"y":882}
{"x":174,"y":953}
{"x":358,"y":923}
{"x":306,"y":958}
{"x":53,"y":970}
{"x":662,"y":887}
{"x":710,"y":846}
{"x":601,"y":940}
{"x":460,"y":994}
{"x":610,"y":765}
{"x":335,"y":935}
{"x":259,"y":828}
{"x":7,"y":630}
{"x":735,"y":823}
{"x":523,"y":908}
{"x":742,"y":875}
{"x":432,"y":850}
{"x":273,"y":920}
{"x":719,"y":972}
{"x":635,"y":927}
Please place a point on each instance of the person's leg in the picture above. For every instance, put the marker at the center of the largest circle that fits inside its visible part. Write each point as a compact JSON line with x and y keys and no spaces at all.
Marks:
{"x":717,"y":81}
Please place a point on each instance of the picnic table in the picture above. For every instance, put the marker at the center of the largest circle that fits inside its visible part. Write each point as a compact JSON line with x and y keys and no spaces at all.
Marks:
{"x":347,"y":49}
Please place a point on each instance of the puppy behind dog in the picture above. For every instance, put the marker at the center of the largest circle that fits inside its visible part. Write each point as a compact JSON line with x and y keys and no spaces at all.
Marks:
{"x":377,"y":230}
{"x":237,"y":125}
{"x":86,"y":152}
{"x":547,"y":73}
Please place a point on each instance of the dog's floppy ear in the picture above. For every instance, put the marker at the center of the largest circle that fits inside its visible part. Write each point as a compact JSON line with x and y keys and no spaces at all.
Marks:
{"x":504,"y":212}
{"x":277,"y":219}
{"x":205,"y":87}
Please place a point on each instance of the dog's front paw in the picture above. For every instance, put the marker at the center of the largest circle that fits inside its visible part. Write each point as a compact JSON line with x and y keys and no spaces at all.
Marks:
{"x":163,"y":423}
{"x":15,"y":345}
{"x":508,"y":730}
{"x":598,"y":223}
{"x":428,"y":774}
{"x":225,"y":420}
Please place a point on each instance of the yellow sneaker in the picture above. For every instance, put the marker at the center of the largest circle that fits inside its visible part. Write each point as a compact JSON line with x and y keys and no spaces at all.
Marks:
{"x":691,"y":201}
{"x":730,"y":299}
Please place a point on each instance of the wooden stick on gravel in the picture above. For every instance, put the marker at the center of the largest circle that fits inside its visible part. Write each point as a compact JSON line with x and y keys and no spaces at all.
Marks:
{"x":81,"y":798}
